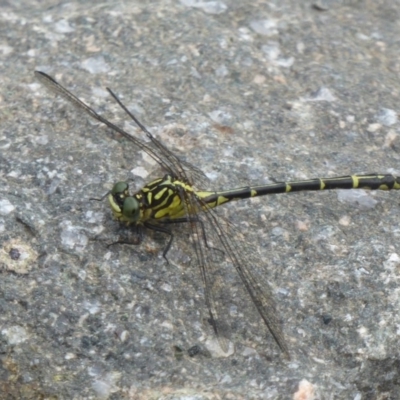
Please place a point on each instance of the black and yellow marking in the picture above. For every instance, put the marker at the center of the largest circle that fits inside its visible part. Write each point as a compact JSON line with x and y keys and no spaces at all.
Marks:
{"x":162,"y":198}
{"x":368,"y":182}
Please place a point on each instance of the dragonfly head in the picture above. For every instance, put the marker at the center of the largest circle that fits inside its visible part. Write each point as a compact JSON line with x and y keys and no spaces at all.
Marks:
{"x":125,"y":207}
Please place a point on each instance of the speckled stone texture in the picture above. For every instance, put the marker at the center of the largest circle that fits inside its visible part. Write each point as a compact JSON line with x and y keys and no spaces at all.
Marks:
{"x":251,"y":92}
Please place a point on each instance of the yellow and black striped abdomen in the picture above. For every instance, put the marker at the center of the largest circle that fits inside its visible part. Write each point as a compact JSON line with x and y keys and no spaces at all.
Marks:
{"x":371,"y":182}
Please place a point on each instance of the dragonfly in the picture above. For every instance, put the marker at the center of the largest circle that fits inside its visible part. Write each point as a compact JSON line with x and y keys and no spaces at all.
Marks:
{"x":177,"y":198}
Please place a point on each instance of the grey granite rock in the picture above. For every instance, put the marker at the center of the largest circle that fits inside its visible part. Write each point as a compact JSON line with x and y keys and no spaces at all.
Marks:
{"x":251,"y":92}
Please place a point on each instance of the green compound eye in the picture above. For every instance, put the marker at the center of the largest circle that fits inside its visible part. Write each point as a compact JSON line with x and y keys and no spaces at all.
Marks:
{"x":119,"y":187}
{"x":131,"y":209}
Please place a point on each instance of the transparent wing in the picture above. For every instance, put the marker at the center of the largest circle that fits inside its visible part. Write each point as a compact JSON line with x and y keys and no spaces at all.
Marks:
{"x":164,"y":157}
{"x":209,"y":259}
{"x":180,"y":168}
{"x":215,"y":241}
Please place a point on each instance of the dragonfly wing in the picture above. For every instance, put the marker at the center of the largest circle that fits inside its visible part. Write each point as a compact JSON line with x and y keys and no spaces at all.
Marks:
{"x":155,"y":149}
{"x":218,"y":239}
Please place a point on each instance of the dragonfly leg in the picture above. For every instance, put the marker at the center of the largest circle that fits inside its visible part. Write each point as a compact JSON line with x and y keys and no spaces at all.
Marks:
{"x":193,"y":219}
{"x":159,"y":228}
